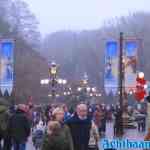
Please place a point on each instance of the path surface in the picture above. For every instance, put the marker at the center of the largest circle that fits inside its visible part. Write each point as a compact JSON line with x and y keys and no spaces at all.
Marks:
{"x":131,"y":134}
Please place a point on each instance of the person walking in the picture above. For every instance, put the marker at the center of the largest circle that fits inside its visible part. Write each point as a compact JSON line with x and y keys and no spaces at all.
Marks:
{"x":38,"y":134}
{"x":94,"y":137}
{"x":97,"y":117}
{"x":80,"y":125}
{"x":5,"y":116}
{"x":67,"y":114}
{"x":58,"y":136}
{"x":20,"y":128}
{"x":118,"y":121}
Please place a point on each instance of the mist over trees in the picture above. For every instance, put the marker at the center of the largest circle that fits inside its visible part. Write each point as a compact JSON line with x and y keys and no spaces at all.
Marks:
{"x":79,"y":52}
{"x":84,"y":51}
{"x":18,"y":23}
{"x":75,"y":52}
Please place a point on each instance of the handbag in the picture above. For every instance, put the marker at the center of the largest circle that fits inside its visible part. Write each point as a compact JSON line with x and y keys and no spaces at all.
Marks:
{"x":147,"y":137}
{"x":94,"y":137}
{"x":93,"y":147}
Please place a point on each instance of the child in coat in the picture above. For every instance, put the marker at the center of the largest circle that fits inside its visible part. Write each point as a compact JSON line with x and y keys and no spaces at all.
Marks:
{"x":38,"y":136}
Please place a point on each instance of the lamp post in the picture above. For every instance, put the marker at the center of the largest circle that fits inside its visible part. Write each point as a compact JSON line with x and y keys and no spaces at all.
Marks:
{"x":121,"y":79}
{"x":53,"y":69}
{"x":62,"y":81}
{"x":53,"y":80}
{"x":83,"y":88}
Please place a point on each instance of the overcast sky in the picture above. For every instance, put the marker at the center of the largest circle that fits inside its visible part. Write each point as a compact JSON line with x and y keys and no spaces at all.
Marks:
{"x":55,"y":15}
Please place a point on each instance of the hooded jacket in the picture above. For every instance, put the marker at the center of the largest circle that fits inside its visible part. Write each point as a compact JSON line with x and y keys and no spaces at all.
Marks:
{"x":58,"y":141}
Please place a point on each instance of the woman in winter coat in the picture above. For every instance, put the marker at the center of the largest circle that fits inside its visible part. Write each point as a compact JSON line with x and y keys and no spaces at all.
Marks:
{"x":58,"y":135}
{"x":98,"y":114}
{"x":94,"y":137}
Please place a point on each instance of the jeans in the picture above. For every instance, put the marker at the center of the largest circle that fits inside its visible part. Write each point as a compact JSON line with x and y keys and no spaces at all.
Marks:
{"x":19,"y":146}
{"x":5,"y":143}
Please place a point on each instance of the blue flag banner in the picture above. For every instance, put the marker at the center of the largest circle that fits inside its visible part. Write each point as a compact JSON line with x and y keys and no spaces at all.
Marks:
{"x":130,"y":63}
{"x":6,"y":66}
{"x":111,"y":68}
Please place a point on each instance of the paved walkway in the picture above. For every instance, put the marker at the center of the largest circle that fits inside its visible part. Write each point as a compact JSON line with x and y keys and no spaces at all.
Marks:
{"x":130,"y":134}
{"x":30,"y":145}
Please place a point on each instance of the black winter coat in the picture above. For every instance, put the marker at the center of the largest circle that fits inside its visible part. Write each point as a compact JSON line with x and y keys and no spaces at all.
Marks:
{"x":80,"y":131}
{"x":19,"y":126}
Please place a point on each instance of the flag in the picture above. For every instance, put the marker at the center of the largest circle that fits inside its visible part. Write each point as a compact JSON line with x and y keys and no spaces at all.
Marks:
{"x":6,"y":66}
{"x":111,"y":68}
{"x":130,"y":65}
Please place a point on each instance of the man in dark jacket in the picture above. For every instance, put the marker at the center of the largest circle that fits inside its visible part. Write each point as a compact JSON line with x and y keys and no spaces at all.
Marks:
{"x":5,"y":116}
{"x":80,"y":125}
{"x":20,"y":128}
{"x":118,"y":122}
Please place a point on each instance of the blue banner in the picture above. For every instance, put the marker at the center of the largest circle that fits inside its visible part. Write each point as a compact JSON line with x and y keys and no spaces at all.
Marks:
{"x":6,"y":66}
{"x":111,"y":68}
{"x":131,"y":48}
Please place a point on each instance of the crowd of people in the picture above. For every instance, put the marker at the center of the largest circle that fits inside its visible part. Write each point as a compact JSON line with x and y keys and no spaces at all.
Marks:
{"x":55,"y":127}
{"x":69,"y":130}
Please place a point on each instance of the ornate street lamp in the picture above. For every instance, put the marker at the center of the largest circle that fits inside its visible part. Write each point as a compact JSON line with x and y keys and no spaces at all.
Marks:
{"x":59,"y":81}
{"x":79,"y":89}
{"x":64,"y":82}
{"x":68,"y":93}
{"x":44,"y":81}
{"x":93,"y":89}
{"x":65,"y":93}
{"x":53,"y":69}
{"x":88,"y":89}
{"x":91,"y":94}
{"x":53,"y":80}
